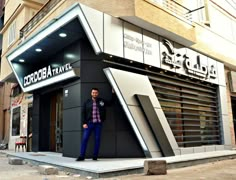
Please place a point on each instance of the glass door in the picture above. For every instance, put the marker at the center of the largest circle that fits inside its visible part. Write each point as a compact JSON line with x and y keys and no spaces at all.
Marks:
{"x":56,"y":122}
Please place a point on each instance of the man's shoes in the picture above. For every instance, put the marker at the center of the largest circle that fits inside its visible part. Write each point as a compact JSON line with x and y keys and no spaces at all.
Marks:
{"x":95,"y":158}
{"x":80,"y":158}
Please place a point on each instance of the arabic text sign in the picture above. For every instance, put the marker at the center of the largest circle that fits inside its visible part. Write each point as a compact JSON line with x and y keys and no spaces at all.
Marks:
{"x":182,"y":60}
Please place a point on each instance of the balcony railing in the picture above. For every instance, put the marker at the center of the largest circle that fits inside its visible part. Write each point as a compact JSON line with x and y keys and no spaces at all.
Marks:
{"x":171,"y":5}
{"x":178,"y":9}
{"x":38,"y":16}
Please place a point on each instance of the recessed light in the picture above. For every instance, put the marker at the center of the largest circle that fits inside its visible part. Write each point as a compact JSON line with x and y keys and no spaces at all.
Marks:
{"x":70,"y":56}
{"x":62,"y":35}
{"x":38,"y":50}
{"x":21,"y":60}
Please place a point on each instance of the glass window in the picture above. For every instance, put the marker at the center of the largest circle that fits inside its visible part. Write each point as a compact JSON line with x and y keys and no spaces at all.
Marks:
{"x":191,"y":109}
{"x":16,"y":121}
{"x":12,"y":33}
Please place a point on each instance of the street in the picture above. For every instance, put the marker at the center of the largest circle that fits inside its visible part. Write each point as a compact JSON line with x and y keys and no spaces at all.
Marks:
{"x":28,"y":172}
{"x":216,"y":171}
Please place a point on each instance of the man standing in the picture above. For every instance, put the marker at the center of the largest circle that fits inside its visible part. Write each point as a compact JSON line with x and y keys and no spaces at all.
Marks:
{"x":93,"y":115}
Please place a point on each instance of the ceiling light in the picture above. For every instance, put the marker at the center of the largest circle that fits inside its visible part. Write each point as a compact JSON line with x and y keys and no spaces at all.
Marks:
{"x":62,"y":35}
{"x":21,"y":60}
{"x":38,"y":50}
{"x":70,"y":56}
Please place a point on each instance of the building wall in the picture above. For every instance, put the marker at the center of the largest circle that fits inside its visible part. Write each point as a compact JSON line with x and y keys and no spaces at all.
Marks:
{"x":203,"y":38}
{"x":22,"y":101}
{"x":229,"y":94}
{"x":5,"y":91}
{"x":115,"y":128}
{"x":196,"y":35}
{"x":5,"y":68}
{"x":10,"y":8}
{"x":20,"y":12}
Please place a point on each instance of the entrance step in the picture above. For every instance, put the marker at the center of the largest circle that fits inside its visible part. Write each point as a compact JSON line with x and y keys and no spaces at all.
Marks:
{"x":105,"y":168}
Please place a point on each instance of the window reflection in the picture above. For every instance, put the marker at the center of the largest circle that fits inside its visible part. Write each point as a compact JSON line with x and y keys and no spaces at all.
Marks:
{"x":191,"y":110}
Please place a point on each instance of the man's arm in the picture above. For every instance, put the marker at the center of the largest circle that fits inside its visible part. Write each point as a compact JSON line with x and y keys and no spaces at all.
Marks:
{"x":84,"y":115}
{"x":110,"y":101}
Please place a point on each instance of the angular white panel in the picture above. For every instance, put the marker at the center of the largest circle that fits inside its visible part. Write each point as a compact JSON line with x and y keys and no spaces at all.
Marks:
{"x":144,"y":128}
{"x":132,"y":84}
{"x":126,"y":85}
{"x":221,"y":73}
{"x":167,"y":129}
{"x":113,"y":36}
{"x":95,"y":21}
{"x":133,"y":43}
{"x":151,"y":49}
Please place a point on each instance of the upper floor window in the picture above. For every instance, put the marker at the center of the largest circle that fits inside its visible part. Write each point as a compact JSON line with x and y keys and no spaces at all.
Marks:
{"x":16,"y":91}
{"x":12,"y":33}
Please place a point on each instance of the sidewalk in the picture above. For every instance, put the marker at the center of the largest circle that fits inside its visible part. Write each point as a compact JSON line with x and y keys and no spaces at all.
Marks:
{"x":104,"y":168}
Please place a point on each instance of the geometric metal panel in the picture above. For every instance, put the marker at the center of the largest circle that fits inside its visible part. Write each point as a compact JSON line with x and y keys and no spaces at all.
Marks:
{"x":95,"y":21}
{"x":155,"y":125}
{"x":27,"y":47}
{"x":127,"y":85}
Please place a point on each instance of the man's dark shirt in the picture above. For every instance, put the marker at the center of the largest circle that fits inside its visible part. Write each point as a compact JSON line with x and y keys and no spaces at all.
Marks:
{"x":88,"y":109}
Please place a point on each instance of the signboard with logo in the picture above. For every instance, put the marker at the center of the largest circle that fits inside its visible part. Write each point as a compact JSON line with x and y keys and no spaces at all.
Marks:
{"x":45,"y":73}
{"x":131,"y":42}
{"x":48,"y":75}
{"x":188,"y":62}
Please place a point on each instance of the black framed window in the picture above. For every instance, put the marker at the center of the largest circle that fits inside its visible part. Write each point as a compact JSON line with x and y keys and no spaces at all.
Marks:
{"x":16,"y":121}
{"x":191,"y":109}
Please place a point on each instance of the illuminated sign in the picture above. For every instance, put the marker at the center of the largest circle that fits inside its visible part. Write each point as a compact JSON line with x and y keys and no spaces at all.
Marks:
{"x":45,"y":73}
{"x":192,"y":64}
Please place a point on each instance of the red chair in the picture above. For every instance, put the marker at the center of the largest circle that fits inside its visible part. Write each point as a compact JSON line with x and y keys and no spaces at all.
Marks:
{"x":21,"y":141}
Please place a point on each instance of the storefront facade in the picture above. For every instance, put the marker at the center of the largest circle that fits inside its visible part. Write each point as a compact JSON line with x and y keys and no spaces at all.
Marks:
{"x":21,"y":117}
{"x":170,"y":99}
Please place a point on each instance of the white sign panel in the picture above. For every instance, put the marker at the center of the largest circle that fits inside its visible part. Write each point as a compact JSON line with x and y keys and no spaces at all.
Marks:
{"x":151,"y":49}
{"x":133,"y":43}
{"x":113,"y":36}
{"x":177,"y":58}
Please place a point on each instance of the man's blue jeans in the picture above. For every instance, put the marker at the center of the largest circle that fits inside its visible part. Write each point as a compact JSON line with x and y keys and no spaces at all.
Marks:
{"x":92,"y":127}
